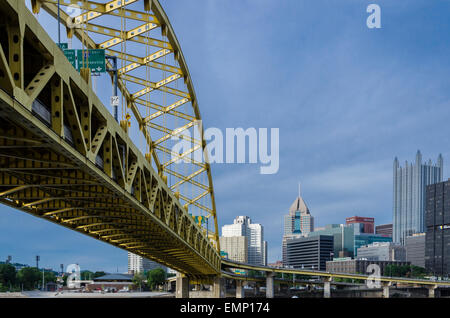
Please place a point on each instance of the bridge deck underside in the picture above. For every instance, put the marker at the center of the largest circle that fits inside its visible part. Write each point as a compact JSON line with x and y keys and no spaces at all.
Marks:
{"x":41,"y":181}
{"x":64,"y":158}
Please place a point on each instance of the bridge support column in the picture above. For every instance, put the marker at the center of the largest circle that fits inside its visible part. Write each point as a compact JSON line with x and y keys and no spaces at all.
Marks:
{"x":219,"y":287}
{"x":182,"y":287}
{"x":432,"y":291}
{"x":239,"y":288}
{"x":386,"y":290}
{"x":327,"y":287}
{"x":269,"y":285}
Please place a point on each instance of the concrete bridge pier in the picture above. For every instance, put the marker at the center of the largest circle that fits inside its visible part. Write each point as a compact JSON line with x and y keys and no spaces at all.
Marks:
{"x":386,"y":289}
{"x":239,"y":288}
{"x":182,"y":286}
{"x":433,"y":291}
{"x":270,"y":291}
{"x":219,"y":287}
{"x":327,"y":287}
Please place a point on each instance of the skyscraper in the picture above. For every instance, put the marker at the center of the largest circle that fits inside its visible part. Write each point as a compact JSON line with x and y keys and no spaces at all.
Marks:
{"x":297,"y":223}
{"x":364,"y":224}
{"x":236,"y":248}
{"x":138,"y":264}
{"x":257,"y":247}
{"x":437,"y":237}
{"x":409,"y":187}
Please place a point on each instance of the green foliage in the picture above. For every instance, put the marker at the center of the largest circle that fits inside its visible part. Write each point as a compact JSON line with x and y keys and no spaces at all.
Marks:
{"x":98,"y":274}
{"x":49,"y":277}
{"x":411,"y":271}
{"x":29,"y":277}
{"x":138,"y":280}
{"x":155,"y":278}
{"x":7,"y":275}
{"x":254,"y":274}
{"x":88,"y":275}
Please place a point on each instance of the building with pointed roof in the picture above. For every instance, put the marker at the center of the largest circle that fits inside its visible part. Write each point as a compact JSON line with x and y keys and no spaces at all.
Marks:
{"x":298,"y":223}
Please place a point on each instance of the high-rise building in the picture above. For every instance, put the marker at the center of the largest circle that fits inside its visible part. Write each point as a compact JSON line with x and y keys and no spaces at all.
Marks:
{"x":415,"y":249}
{"x":310,"y":252}
{"x":384,"y":229}
{"x":257,"y":247}
{"x":343,"y":236}
{"x":299,"y":219}
{"x":297,"y":223}
{"x":382,"y":251}
{"x":409,"y":195}
{"x":437,"y":239}
{"x":348,"y":238}
{"x":139,"y":264}
{"x":235,"y":247}
{"x":364,"y":224}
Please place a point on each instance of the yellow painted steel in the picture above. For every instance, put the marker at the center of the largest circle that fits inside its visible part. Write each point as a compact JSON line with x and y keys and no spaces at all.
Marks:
{"x":65,"y":159}
{"x":157,"y":19}
{"x":420,"y":282}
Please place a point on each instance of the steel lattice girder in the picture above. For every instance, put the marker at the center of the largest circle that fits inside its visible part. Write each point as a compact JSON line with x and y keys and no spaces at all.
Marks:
{"x":49,"y":166}
{"x":158,"y":19}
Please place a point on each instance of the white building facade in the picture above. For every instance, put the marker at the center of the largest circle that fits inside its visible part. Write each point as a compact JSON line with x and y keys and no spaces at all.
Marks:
{"x":257,"y":247}
{"x":139,"y":264}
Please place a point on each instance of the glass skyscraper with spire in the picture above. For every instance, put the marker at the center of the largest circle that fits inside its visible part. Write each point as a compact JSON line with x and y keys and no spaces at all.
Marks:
{"x":409,"y":188}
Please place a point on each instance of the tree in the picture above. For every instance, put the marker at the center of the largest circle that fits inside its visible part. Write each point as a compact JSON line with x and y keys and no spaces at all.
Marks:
{"x":49,"y":277}
{"x":88,"y":275}
{"x":98,"y":274}
{"x":7,"y":275}
{"x":156,"y":277}
{"x":254,"y":274}
{"x":138,"y":280}
{"x":29,"y":277}
{"x":418,"y":272}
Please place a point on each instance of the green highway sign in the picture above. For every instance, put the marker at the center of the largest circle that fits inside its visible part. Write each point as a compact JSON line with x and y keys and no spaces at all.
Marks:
{"x":93,"y":59}
{"x":63,"y":46}
{"x":71,"y":56}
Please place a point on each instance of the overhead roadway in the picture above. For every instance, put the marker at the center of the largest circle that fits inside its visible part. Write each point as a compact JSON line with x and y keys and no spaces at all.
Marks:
{"x":422,"y":282}
{"x":65,"y":159}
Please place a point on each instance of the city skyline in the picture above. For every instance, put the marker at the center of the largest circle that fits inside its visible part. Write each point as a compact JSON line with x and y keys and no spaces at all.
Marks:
{"x":337,"y":75}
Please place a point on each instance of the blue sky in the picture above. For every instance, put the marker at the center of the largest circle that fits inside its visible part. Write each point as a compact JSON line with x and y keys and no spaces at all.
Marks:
{"x":347,"y":100}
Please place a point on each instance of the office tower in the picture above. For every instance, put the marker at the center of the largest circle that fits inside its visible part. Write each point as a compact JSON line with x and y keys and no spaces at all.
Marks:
{"x":409,"y":186}
{"x":235,"y":247}
{"x":347,"y":239}
{"x":415,"y":249}
{"x":384,"y":230}
{"x":257,"y":248}
{"x":309,"y":252}
{"x":343,"y":238}
{"x":299,"y":219}
{"x":138,"y":264}
{"x":364,"y":224}
{"x":297,"y":223}
{"x":437,"y":239}
{"x":382,"y":251}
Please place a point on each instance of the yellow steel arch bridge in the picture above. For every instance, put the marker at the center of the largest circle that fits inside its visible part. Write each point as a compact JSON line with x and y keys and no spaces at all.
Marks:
{"x":66,"y":159}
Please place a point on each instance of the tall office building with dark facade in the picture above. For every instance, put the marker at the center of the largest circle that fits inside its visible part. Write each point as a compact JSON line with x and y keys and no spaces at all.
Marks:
{"x":437,"y":240}
{"x":310,"y":252}
{"x":409,"y":186}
